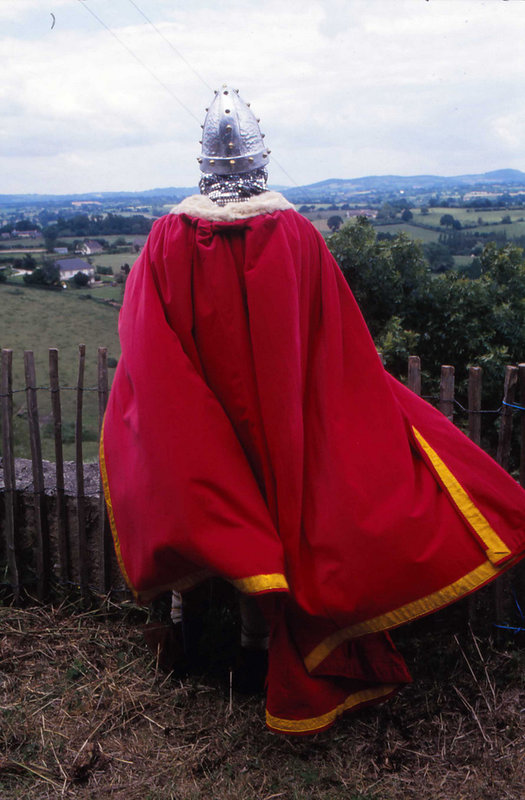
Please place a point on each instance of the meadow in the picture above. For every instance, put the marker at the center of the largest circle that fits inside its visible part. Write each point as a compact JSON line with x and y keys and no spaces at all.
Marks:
{"x":420,"y":234}
{"x":37,"y":319}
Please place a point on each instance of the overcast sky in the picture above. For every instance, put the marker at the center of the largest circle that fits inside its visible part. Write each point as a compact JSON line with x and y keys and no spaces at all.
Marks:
{"x":344,"y":88}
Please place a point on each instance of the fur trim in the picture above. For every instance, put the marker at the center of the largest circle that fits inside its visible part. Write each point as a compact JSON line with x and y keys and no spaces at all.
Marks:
{"x":199,"y":205}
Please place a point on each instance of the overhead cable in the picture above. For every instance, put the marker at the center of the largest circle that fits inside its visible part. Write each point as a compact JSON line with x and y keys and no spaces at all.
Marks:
{"x":139,"y":60}
{"x":175,"y":50}
{"x":156,"y":77}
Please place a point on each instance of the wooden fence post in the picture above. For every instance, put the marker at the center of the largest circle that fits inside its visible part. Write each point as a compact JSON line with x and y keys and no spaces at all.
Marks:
{"x":521,"y":373}
{"x":9,"y":472}
{"x":39,"y":497}
{"x":446,"y":392}
{"x":505,"y":431}
{"x":475,"y":375}
{"x":105,"y":541}
{"x":81,"y":509}
{"x":501,"y":590}
{"x":414,"y":374}
{"x":63,"y":543}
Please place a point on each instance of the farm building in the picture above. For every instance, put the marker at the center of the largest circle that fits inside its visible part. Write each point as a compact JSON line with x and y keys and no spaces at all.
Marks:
{"x":32,"y":234}
{"x":90,"y":246}
{"x":70,"y":266}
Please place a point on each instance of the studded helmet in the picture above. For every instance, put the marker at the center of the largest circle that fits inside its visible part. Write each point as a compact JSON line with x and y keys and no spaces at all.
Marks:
{"x":232,"y":142}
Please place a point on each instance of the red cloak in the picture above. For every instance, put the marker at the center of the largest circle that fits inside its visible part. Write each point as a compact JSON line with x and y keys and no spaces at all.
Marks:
{"x":252,"y":433}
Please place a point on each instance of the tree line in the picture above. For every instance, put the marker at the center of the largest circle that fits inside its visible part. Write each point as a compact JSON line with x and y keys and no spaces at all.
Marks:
{"x":448,"y":318}
{"x":82,"y":225}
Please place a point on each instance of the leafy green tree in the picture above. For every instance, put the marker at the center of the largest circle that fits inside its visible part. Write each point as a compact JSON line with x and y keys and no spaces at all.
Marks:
{"x":334,"y":222}
{"x":50,"y":237}
{"x":28,"y":261}
{"x":387,"y":212}
{"x":80,"y":279}
{"x":25,"y":225}
{"x":384,"y":276}
{"x":447,"y":221}
{"x":438,"y":256}
{"x":444,"y":318}
{"x":47,"y":275}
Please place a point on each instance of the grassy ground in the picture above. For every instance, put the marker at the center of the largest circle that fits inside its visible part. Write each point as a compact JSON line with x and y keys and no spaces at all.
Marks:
{"x":421,"y":234}
{"x":469,"y":216}
{"x":105,"y":291}
{"x":36,"y":319}
{"x":18,"y":244}
{"x":114,"y":260}
{"x":86,"y":713}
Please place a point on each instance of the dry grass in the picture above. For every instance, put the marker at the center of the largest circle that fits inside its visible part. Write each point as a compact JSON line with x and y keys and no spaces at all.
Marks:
{"x":86,"y":713}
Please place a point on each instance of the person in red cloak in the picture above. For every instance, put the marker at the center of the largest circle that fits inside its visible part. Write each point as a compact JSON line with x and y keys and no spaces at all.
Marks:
{"x":252,"y":433}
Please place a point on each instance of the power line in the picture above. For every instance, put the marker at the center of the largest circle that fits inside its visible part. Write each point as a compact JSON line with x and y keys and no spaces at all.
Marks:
{"x":177,"y":52}
{"x":285,"y":172}
{"x":139,"y":60}
{"x":155,"y":76}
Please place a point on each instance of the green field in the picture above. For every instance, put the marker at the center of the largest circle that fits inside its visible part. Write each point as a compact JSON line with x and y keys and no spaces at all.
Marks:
{"x":516,"y":229}
{"x":22,"y":244}
{"x":421,"y":234}
{"x":110,"y":238}
{"x":36,"y":319}
{"x":104,"y":291}
{"x":114,"y":260}
{"x":477,"y":219}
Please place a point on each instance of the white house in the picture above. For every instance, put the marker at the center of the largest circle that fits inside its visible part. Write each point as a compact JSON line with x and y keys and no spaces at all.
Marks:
{"x":90,"y":246}
{"x":70,"y":266}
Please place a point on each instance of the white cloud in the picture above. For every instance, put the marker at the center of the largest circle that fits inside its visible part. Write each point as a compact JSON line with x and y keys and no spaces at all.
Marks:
{"x":343,"y":87}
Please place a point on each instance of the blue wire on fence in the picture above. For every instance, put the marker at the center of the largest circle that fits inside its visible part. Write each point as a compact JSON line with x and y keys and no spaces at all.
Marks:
{"x":436,"y":398}
{"x":514,"y":629}
{"x":513,"y":405}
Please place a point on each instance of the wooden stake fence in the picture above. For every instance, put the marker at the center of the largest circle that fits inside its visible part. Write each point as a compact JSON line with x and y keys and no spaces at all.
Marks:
{"x":67,"y":531}
{"x":9,"y":473}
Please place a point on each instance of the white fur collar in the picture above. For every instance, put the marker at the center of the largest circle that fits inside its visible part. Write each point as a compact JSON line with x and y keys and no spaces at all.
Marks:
{"x":199,"y":205}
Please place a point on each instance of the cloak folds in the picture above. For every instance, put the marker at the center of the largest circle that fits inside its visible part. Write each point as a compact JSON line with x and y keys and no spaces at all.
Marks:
{"x":252,"y":433}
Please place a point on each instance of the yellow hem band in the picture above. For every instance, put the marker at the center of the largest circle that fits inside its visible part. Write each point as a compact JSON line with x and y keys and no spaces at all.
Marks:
{"x":260,"y":583}
{"x":251,"y":585}
{"x":496,"y":549}
{"x":109,"y":505}
{"x":313,"y":724}
{"x":406,"y":613}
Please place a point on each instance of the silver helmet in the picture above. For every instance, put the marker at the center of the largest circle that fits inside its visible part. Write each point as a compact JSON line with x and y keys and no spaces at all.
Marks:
{"x":232,"y":142}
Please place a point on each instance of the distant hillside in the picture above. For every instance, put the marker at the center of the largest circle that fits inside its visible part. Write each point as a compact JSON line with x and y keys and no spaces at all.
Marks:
{"x":330,"y":189}
{"x":503,"y":178}
{"x":169,"y":194}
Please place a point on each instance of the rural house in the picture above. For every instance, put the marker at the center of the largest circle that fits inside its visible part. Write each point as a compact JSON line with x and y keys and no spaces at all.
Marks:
{"x":70,"y":266}
{"x":25,"y":234}
{"x":89,"y":247}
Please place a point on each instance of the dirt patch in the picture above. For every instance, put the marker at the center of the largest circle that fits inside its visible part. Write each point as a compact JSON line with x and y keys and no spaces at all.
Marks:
{"x":86,"y":713}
